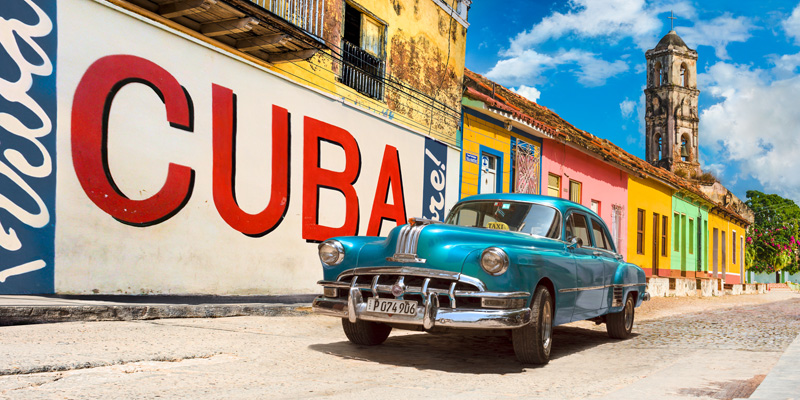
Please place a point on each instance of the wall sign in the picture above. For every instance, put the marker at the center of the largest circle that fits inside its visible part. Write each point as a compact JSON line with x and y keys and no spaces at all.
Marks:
{"x":28,"y":157}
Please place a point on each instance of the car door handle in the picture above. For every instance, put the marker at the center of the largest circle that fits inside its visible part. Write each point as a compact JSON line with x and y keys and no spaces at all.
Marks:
{"x":597,"y":253}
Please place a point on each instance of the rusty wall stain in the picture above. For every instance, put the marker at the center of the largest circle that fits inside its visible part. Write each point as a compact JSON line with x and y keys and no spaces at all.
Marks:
{"x":420,"y":63}
{"x":332,"y":33}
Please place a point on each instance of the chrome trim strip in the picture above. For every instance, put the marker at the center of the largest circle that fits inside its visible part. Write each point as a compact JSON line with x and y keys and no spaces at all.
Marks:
{"x":449,"y":292}
{"x":616,"y":285}
{"x":405,"y":258}
{"x":444,"y":317}
{"x":414,"y":271}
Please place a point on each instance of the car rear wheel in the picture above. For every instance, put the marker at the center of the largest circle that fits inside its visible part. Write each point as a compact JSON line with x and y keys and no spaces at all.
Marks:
{"x":619,"y":325}
{"x":532,"y":342}
{"x":366,"y":332}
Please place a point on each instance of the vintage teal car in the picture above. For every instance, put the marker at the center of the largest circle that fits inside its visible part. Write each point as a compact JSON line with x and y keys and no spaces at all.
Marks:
{"x":514,"y":262}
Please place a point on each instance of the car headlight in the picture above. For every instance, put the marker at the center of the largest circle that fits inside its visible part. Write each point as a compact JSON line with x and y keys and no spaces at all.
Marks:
{"x":494,"y":261}
{"x":331,"y":252}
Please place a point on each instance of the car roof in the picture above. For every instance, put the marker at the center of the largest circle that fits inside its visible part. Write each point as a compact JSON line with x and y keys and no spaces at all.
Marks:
{"x":557,"y":202}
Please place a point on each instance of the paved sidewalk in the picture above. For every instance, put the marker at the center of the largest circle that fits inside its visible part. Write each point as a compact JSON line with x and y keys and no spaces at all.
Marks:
{"x":782,"y":382}
{"x":19,"y":310}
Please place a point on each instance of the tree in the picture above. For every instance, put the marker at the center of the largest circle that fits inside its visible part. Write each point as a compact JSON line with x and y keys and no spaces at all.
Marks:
{"x":773,"y":241}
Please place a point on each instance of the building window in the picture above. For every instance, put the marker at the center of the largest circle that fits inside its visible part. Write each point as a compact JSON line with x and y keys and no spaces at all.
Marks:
{"x":733,"y":247}
{"x":362,"y":53}
{"x":684,"y":76}
{"x":575,"y":191}
{"x":691,"y":235}
{"x":596,"y":206}
{"x":640,"y":231}
{"x":616,"y":224}
{"x":657,"y":74}
{"x":684,"y":149}
{"x":664,"y":230}
{"x":553,"y":185}
{"x":723,"y":253}
{"x":676,"y":238}
{"x":659,"y":146}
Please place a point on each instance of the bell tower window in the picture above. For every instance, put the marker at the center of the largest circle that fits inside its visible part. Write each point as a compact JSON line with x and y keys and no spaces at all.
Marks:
{"x":657,"y":73}
{"x":684,"y":76}
{"x":684,"y":149}
{"x":659,"y":149}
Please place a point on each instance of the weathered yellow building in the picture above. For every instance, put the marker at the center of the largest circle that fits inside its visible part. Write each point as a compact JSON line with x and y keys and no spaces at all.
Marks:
{"x":726,"y":237}
{"x":649,"y":225}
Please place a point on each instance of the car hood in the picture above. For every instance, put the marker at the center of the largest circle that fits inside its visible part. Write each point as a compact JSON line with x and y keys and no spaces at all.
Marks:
{"x":443,"y":247}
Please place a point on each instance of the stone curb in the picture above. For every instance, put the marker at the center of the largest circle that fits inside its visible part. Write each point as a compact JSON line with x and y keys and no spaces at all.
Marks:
{"x":21,"y":315}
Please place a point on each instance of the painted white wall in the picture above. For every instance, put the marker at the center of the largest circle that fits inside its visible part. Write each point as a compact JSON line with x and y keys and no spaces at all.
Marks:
{"x":195,"y":251}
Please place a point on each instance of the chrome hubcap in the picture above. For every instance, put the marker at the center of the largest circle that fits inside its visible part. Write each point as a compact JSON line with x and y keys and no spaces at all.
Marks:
{"x":628,"y":316}
{"x":547,"y":327}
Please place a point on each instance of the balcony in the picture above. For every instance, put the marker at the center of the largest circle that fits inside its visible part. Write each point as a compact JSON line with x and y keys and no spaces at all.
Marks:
{"x":275,"y":31}
{"x":305,"y":14}
{"x":362,"y":71}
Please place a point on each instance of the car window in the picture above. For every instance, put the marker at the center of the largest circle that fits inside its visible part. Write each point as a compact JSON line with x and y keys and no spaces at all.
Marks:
{"x":600,"y":240}
{"x":577,"y":226}
{"x":534,"y":219}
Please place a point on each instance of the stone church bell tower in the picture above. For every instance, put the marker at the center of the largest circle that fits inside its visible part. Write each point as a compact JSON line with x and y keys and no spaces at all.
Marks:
{"x":671,"y":117}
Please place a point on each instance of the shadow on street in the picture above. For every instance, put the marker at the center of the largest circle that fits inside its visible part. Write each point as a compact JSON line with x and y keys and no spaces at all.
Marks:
{"x":457,"y":353}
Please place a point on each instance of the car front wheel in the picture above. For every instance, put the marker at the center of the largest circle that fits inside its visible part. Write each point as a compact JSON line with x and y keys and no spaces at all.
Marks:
{"x":366,"y":332}
{"x":619,"y":325}
{"x":532,"y":342}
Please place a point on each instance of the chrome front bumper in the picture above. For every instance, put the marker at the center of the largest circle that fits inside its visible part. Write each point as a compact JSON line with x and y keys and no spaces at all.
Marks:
{"x":429,"y":314}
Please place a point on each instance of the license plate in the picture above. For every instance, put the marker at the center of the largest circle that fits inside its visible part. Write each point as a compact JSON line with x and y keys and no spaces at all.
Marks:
{"x":392,"y":306}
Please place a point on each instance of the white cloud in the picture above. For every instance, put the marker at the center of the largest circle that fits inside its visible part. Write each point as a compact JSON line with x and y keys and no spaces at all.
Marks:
{"x":611,"y":19}
{"x":528,"y":92}
{"x":755,"y":124}
{"x":792,"y":24}
{"x":528,"y":66}
{"x":606,"y":22}
{"x":718,"y":33}
{"x":626,"y":107}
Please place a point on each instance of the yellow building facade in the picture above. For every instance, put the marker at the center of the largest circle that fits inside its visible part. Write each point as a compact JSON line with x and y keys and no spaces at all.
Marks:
{"x":726,"y":246}
{"x":489,"y":149}
{"x":420,"y":48}
{"x":649,"y":217}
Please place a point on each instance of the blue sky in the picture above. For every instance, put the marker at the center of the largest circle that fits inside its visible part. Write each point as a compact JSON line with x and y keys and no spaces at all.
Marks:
{"x":584,"y":59}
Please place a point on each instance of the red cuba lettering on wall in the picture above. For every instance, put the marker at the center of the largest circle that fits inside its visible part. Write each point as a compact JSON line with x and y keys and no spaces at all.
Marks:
{"x":90,"y":114}
{"x":316,"y":178}
{"x":390,"y":176}
{"x":224,"y":168}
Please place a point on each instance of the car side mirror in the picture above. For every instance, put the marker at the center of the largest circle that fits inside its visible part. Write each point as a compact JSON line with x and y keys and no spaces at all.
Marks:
{"x":575,"y":242}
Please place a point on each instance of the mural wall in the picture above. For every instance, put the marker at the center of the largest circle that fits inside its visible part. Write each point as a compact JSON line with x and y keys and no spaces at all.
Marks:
{"x":183,"y":169}
{"x":27,"y":146}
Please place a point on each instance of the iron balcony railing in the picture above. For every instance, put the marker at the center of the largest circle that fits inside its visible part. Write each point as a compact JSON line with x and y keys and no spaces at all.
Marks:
{"x":362,"y":71}
{"x":306,"y":14}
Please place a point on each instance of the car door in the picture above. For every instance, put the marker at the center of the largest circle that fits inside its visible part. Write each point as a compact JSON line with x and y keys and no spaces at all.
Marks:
{"x":590,"y":269}
{"x":604,"y":249}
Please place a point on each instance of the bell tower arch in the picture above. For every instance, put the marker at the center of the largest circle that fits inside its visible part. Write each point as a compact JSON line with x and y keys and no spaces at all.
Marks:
{"x":671,"y":119}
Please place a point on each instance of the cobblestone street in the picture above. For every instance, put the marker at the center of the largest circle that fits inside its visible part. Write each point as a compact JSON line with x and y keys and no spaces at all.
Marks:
{"x":682,"y":348}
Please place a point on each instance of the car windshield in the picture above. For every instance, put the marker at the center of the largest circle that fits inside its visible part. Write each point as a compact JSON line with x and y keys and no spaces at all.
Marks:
{"x":534,"y":219}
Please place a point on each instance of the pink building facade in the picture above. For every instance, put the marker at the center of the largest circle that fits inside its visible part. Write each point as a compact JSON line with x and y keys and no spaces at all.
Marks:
{"x":582,"y":177}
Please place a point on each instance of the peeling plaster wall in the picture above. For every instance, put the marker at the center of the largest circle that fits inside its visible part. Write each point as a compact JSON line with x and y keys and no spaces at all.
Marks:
{"x":424,"y":50}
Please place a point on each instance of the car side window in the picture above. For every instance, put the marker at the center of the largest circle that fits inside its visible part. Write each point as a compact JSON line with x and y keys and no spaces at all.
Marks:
{"x":600,"y":239}
{"x":577,"y":226}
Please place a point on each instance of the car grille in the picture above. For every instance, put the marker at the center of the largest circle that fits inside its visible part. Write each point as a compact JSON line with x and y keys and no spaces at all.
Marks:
{"x":453,"y":290}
